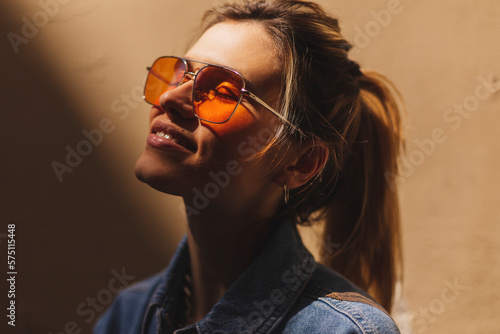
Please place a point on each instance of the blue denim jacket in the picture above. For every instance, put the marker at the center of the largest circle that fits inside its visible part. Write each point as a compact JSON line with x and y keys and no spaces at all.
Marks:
{"x":283,"y":291}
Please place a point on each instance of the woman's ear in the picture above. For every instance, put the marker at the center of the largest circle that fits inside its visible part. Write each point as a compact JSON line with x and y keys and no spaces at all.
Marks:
{"x":307,"y":162}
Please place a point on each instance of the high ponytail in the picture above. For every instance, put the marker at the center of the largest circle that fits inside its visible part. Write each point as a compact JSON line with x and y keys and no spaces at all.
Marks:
{"x":356,"y":115}
{"x":363,"y":216}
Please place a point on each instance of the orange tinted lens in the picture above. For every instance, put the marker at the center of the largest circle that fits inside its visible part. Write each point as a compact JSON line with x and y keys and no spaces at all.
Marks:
{"x":165,"y":74}
{"x":216,"y":94}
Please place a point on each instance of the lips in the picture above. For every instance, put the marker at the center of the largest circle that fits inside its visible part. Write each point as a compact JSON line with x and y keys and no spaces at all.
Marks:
{"x":167,"y":136}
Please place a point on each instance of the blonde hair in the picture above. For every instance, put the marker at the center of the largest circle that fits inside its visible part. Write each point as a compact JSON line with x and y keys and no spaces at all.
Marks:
{"x":357,"y":114}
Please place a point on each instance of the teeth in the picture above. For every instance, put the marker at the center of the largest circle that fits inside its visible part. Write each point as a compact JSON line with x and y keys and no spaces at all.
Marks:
{"x":166,"y":136}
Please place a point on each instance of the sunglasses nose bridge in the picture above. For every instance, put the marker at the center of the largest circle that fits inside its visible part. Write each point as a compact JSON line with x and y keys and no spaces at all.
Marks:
{"x":188,"y":76}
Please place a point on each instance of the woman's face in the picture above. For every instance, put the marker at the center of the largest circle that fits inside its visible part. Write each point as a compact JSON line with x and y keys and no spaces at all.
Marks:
{"x":205,"y":160}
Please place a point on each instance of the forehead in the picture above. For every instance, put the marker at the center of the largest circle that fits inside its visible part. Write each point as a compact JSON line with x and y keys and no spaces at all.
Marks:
{"x":242,"y":46}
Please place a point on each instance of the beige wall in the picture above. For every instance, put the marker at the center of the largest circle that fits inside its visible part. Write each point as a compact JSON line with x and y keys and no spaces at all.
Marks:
{"x":87,"y":65}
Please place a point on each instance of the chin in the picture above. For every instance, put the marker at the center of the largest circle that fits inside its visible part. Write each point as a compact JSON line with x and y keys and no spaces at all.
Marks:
{"x":157,"y":176}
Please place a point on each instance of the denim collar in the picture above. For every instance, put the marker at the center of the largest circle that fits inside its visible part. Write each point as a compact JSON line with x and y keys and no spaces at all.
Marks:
{"x":257,"y":301}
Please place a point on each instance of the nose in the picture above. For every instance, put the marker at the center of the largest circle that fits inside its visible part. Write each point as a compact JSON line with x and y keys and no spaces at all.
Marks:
{"x":177,"y":102}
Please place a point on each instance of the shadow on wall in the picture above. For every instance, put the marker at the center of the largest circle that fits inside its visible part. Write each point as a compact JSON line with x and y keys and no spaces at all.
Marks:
{"x":77,"y":242}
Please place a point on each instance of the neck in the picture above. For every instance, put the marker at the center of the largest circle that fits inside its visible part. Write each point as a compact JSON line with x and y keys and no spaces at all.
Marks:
{"x":221,"y":245}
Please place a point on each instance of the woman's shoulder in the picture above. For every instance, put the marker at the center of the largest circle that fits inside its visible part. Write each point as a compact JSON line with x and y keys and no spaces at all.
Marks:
{"x":328,"y":315}
{"x":330,"y":301}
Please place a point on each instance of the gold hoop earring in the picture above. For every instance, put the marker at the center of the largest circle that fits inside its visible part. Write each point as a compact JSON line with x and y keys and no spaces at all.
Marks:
{"x":287,"y":193}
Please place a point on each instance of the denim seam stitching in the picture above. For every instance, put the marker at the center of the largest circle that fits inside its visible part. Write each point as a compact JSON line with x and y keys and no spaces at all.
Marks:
{"x":351,"y":312}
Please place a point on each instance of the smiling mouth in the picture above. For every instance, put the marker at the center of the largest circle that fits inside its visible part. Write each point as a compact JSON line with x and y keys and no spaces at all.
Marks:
{"x":168,"y":138}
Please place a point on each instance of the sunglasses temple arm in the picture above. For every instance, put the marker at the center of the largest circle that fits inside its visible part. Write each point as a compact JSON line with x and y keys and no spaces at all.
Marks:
{"x":265,"y":105}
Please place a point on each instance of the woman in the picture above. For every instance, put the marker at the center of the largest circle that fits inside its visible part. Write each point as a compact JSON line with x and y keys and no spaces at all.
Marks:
{"x":263,"y":124}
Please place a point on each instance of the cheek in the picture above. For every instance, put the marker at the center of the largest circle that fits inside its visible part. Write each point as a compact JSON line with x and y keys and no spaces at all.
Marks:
{"x":241,"y":120}
{"x":153,"y":113}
